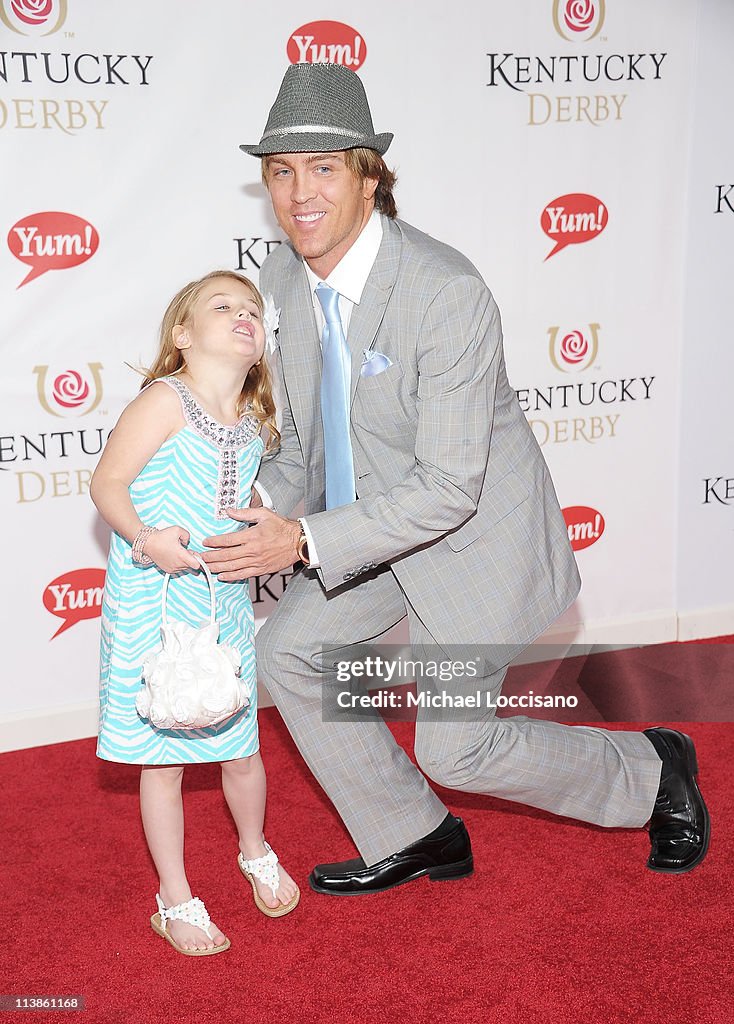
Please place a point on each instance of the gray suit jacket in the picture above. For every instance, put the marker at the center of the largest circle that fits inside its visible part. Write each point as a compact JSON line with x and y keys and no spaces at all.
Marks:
{"x":454,"y":493}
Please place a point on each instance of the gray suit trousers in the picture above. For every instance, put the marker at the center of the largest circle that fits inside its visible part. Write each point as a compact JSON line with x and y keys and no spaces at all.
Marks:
{"x":607,"y":778}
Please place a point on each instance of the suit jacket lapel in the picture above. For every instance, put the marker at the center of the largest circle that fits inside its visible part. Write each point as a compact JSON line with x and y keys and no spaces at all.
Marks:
{"x":300,"y":352}
{"x":366,"y":317}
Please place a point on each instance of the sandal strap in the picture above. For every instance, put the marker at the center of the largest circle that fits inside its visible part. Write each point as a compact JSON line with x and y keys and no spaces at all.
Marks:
{"x":265,"y":869}
{"x":192,"y":912}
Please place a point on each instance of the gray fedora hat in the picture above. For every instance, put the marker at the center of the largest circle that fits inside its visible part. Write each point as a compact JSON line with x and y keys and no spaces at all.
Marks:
{"x":319,"y":108}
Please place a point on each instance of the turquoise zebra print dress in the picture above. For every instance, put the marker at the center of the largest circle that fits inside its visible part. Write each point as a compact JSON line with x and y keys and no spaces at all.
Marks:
{"x":190,"y":481}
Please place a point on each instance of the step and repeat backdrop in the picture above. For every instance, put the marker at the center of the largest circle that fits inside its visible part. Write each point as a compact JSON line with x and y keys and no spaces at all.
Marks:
{"x":575,"y":150}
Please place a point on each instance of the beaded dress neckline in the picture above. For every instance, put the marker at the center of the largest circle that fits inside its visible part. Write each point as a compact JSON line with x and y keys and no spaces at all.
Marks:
{"x":227,"y":439}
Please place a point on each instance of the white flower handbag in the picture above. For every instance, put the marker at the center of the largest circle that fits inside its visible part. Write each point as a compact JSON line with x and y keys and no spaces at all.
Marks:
{"x":193,"y":681}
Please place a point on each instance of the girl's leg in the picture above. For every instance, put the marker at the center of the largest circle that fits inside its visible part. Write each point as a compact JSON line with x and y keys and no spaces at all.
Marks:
{"x":243,"y":782}
{"x":161,"y":808}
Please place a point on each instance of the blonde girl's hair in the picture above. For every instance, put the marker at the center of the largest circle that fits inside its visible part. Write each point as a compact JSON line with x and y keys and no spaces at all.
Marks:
{"x":256,"y":396}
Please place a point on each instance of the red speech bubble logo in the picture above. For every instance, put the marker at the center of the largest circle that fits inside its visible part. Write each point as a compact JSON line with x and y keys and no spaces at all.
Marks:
{"x":74,"y":596}
{"x":327,"y":42}
{"x":585,"y":526}
{"x":572,"y":219}
{"x":52,"y":241}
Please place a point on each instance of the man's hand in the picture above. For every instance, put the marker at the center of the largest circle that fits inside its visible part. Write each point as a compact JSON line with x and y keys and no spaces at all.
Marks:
{"x":267,"y":546}
{"x":255,"y":499}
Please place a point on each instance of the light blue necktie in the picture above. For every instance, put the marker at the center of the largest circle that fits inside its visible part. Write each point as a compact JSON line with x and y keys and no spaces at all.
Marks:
{"x":335,"y":388}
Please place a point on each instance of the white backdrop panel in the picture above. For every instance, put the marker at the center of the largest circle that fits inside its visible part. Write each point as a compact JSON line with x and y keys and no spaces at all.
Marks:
{"x":148,"y":157}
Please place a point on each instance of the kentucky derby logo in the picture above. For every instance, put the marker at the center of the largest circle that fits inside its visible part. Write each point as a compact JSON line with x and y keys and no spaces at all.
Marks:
{"x":578,"y":20}
{"x":69,"y":393}
{"x":33,"y":17}
{"x":326,"y":42}
{"x":574,"y":350}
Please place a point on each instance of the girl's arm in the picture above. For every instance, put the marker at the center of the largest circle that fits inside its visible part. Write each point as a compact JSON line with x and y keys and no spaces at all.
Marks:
{"x":144,"y":426}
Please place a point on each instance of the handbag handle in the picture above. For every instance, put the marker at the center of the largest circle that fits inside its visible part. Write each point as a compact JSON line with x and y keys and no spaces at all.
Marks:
{"x":210,"y":584}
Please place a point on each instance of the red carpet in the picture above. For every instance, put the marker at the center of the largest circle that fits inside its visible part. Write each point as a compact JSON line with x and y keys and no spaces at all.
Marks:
{"x":560,"y":923}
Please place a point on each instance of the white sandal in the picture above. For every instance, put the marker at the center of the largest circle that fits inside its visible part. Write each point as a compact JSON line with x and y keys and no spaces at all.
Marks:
{"x":265,"y":869}
{"x":192,"y":912}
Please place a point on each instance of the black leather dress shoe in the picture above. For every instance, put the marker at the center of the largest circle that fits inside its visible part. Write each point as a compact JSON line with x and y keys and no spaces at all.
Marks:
{"x":444,"y":853}
{"x":680,"y":824}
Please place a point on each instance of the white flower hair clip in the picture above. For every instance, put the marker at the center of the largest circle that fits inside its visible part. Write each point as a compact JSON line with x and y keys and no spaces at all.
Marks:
{"x":271,"y":318}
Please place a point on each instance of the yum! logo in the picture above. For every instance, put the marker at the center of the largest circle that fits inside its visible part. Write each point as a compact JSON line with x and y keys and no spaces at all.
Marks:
{"x":572,"y":351}
{"x":578,"y":20}
{"x":585,"y":526}
{"x":52,"y":241}
{"x":69,"y":393}
{"x":74,"y":596}
{"x":33,"y":17}
{"x":327,"y":42}
{"x":572,"y":219}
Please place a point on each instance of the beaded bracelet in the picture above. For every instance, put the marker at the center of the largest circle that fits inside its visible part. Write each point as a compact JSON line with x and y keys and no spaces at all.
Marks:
{"x":138,"y":555}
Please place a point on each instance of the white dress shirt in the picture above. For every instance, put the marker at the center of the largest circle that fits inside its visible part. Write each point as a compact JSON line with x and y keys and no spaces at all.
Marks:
{"x":349,"y":278}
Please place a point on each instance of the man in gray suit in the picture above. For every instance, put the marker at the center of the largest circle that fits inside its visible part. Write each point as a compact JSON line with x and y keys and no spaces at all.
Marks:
{"x":426,"y":495}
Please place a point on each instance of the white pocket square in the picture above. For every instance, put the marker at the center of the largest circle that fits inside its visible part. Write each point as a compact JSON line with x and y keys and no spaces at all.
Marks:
{"x":374,"y":363}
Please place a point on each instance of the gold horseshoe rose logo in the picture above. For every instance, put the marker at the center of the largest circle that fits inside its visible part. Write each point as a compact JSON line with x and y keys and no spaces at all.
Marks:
{"x":578,"y":20}
{"x":70,"y":391}
{"x":26,"y":16}
{"x":573,"y":350}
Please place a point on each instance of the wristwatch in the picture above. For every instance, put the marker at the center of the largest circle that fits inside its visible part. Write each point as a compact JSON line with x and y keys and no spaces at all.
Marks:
{"x":302,"y":546}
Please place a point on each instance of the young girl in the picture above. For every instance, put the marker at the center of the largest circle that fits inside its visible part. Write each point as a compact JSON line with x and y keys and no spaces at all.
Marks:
{"x":182,"y":454}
